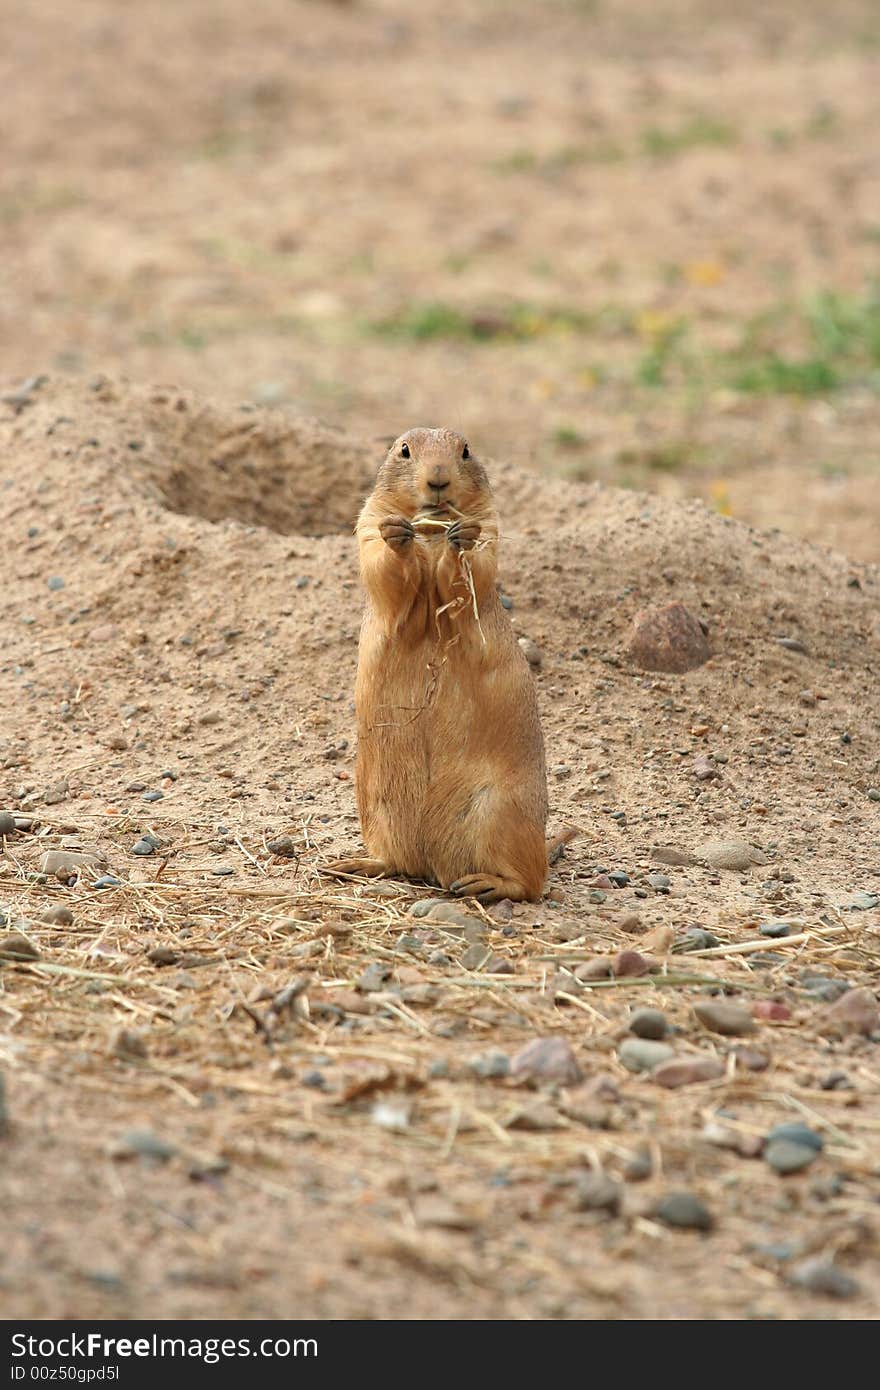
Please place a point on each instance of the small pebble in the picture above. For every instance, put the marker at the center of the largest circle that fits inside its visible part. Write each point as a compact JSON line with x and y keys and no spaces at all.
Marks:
{"x":107,"y":881}
{"x":597,"y":969}
{"x":58,"y":915}
{"x":734,"y":855}
{"x":641,"y":1054}
{"x":130,"y":1046}
{"x":619,"y":878}
{"x":638,"y":1167}
{"x":649,"y":1023}
{"x":684,"y":1211}
{"x":865,"y":902}
{"x":531,"y":651}
{"x":598,"y":1192}
{"x":440,"y":911}
{"x":836,"y":1081}
{"x":696,"y":939}
{"x":490,"y":1066}
{"x":546,"y":1060}
{"x":15,"y":946}
{"x":777,"y":929}
{"x":152,"y":796}
{"x":163,"y":955}
{"x":874,"y":794}
{"x":685,"y":1071}
{"x":771,"y":1009}
{"x":145,"y":1144}
{"x":855,"y":1013}
{"x":476,"y":956}
{"x":223,"y":871}
{"x":373,"y":978}
{"x":730,"y":1020}
{"x":7,"y":823}
{"x":797,"y":1134}
{"x":785,"y":1156}
{"x":659,"y":882}
{"x":55,"y":582}
{"x":284,"y":847}
{"x":820,"y":1276}
{"x":146,"y":845}
{"x":751,"y":1059}
{"x":633,"y":963}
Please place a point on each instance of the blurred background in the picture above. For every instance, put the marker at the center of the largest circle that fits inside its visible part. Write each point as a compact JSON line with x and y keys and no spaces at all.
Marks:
{"x":627,"y":240}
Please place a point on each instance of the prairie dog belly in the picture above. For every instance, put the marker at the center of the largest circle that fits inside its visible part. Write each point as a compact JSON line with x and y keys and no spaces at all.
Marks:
{"x":447,"y":745}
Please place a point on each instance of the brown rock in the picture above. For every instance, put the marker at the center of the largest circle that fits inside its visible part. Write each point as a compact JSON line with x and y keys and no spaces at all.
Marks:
{"x":736,"y":855}
{"x":546,"y":1060}
{"x":130,"y":1046}
{"x":15,"y":946}
{"x":633,"y":963}
{"x":704,"y":769}
{"x":751,"y":1058}
{"x":854,"y":1013}
{"x":537,"y":1117}
{"x":68,"y":861}
{"x":668,"y":854}
{"x":58,"y":915}
{"x":668,"y":639}
{"x":686,"y":1070}
{"x":731,"y":1020}
{"x":597,"y":969}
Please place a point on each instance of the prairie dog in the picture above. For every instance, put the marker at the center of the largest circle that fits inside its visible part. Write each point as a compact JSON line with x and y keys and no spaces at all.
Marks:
{"x":450,"y":775}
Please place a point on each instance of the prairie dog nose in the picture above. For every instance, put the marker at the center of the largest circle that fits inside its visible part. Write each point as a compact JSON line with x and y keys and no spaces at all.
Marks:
{"x":438,"y":483}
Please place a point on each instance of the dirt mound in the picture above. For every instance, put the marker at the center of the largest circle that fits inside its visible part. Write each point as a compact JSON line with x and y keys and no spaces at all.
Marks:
{"x":179,"y":654}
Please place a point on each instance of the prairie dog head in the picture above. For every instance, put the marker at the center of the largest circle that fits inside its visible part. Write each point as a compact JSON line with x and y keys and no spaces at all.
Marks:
{"x":433,"y":473}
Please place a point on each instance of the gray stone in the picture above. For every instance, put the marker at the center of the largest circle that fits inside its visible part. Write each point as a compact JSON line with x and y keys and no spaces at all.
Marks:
{"x":598,"y":1192}
{"x":649,"y":1023}
{"x":68,"y":861}
{"x":798,"y":1134}
{"x":785,"y":1156}
{"x":641,"y":1054}
{"x":685,"y":1211}
{"x":143,"y":1143}
{"x":820,"y":1276}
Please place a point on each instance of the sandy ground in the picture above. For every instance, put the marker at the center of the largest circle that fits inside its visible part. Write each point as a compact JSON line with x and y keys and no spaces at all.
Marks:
{"x":213,"y":661}
{"x":628,"y":250}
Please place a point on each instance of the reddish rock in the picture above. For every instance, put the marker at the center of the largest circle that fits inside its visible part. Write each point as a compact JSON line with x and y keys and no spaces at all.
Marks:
{"x":668,"y":639}
{"x":634,"y":963}
{"x":772,"y":1009}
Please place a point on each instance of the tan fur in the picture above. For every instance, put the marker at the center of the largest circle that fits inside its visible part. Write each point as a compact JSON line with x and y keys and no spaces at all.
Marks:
{"x":451,"y":785}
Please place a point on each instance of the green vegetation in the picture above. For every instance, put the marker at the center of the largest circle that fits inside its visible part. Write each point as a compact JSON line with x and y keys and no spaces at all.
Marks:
{"x":662,"y":142}
{"x":513,"y":322}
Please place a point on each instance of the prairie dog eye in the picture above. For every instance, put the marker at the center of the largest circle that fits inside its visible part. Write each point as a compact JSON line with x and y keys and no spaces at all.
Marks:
{"x":465,"y":453}
{"x":404,"y":451}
